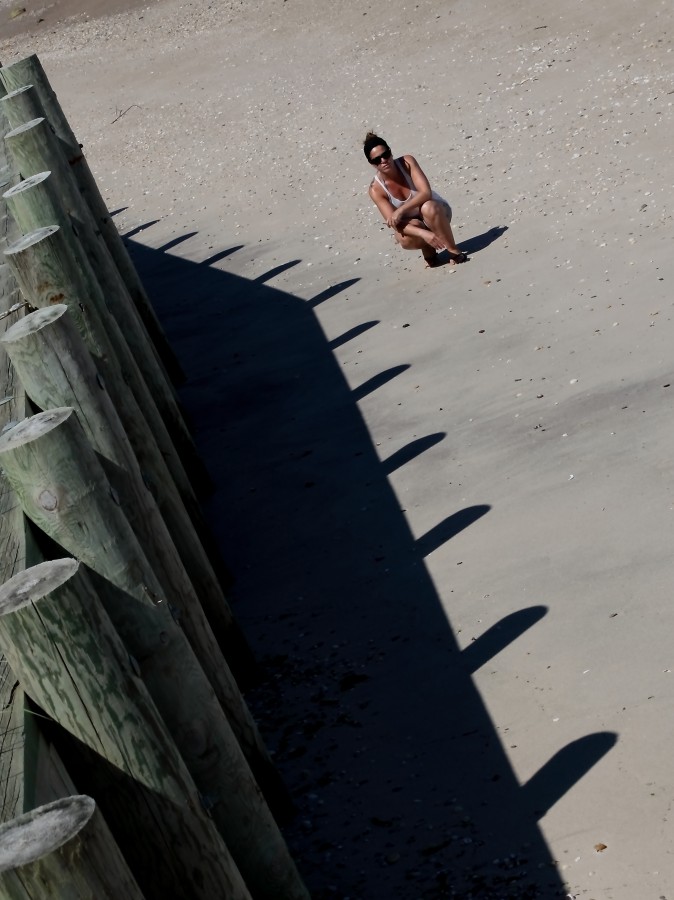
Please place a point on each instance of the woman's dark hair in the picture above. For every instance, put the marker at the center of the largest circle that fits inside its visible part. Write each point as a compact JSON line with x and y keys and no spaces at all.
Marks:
{"x":371,"y":141}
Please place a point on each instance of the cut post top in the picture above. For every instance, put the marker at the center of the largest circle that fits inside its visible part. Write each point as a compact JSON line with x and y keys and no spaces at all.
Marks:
{"x":33,"y":322}
{"x":33,"y":428}
{"x":43,"y":830}
{"x":28,"y":240}
{"x":34,"y":583}
{"x":20,"y":90}
{"x":26,"y":184}
{"x":25,"y":127}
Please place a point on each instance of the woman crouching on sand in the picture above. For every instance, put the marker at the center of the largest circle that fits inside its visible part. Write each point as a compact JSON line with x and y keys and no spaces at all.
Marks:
{"x":419,"y":217}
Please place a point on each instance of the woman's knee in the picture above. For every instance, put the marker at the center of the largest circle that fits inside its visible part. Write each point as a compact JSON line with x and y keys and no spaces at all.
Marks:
{"x":432,"y":210}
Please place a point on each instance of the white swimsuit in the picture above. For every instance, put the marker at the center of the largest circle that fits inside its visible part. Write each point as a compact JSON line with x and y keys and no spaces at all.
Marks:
{"x":395,"y":201}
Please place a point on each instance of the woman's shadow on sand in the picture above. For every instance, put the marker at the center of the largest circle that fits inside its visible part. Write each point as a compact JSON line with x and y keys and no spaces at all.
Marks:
{"x":482,"y":241}
{"x":474,"y":245}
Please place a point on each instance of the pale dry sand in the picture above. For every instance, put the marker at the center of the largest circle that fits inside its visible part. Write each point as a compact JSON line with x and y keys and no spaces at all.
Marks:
{"x":521,"y":407}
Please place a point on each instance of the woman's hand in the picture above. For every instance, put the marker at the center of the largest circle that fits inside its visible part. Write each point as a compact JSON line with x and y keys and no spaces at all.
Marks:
{"x":395,"y":219}
{"x":433,"y":241}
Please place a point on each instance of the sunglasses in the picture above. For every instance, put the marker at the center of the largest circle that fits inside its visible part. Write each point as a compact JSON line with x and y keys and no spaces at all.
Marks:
{"x":375,"y":160}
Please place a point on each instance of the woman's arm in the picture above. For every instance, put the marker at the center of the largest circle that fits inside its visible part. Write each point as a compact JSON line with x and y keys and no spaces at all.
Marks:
{"x":421,"y":186}
{"x":382,"y":202}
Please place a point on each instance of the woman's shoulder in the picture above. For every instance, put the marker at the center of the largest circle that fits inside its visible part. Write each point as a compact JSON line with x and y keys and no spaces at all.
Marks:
{"x":375,"y":187}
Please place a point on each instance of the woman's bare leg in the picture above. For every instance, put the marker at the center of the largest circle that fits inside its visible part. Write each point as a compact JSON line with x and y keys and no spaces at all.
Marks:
{"x":415,"y":236}
{"x":437,"y":217}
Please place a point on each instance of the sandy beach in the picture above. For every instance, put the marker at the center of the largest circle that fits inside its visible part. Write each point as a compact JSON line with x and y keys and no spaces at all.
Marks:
{"x":446,"y":496}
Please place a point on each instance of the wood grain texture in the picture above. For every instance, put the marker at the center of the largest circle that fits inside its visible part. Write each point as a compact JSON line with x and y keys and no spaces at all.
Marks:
{"x":57,"y":370}
{"x":51,"y":267}
{"x":29,"y":71}
{"x":12,"y":537}
{"x":59,"y":638}
{"x":63,"y":489}
{"x":33,"y":148}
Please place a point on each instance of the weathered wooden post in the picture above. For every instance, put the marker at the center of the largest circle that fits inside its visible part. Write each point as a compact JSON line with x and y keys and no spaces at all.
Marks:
{"x":66,"y":652}
{"x":55,"y":604}
{"x":21,"y":106}
{"x":29,"y":71}
{"x":49,"y":270}
{"x":34,"y":203}
{"x":63,"y":849}
{"x":56,"y":370}
{"x":61,"y":487}
{"x":33,"y":148}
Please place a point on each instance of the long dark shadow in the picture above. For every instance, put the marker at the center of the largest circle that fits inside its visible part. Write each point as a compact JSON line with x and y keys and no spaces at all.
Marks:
{"x":177,"y":240}
{"x":221,"y":255}
{"x":496,"y":638}
{"x":404,"y":788}
{"x":377,"y":381}
{"x":411,"y":451}
{"x":565,"y":769}
{"x":139,"y":228}
{"x":351,"y":334}
{"x":444,"y":531}
{"x":331,"y":292}
{"x":272,"y":273}
{"x":481,"y":241}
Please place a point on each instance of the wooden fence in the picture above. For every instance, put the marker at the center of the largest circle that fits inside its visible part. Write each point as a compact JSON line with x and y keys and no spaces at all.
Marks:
{"x":122,"y":662}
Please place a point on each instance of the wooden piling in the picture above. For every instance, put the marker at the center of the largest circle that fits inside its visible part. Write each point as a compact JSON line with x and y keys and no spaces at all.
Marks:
{"x":21,"y":106}
{"x":62,"y":488}
{"x":29,"y":71}
{"x":208,"y":746}
{"x":56,"y":370}
{"x":50,"y":268}
{"x":63,"y":849}
{"x":33,"y":148}
{"x":62,"y":645}
{"x":35,"y":203}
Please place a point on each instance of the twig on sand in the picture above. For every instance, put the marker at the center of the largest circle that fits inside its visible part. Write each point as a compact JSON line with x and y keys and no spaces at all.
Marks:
{"x":123,"y":113}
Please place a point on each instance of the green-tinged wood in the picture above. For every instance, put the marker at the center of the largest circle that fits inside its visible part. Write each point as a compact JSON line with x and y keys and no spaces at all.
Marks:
{"x":57,"y":370}
{"x":63,"y":850}
{"x":62,"y":488}
{"x":208,"y":746}
{"x":33,"y":148}
{"x":35,"y":203}
{"x":13,"y":744}
{"x":61,"y":642}
{"x":50,"y":267}
{"x":29,"y":71}
{"x":21,"y":106}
